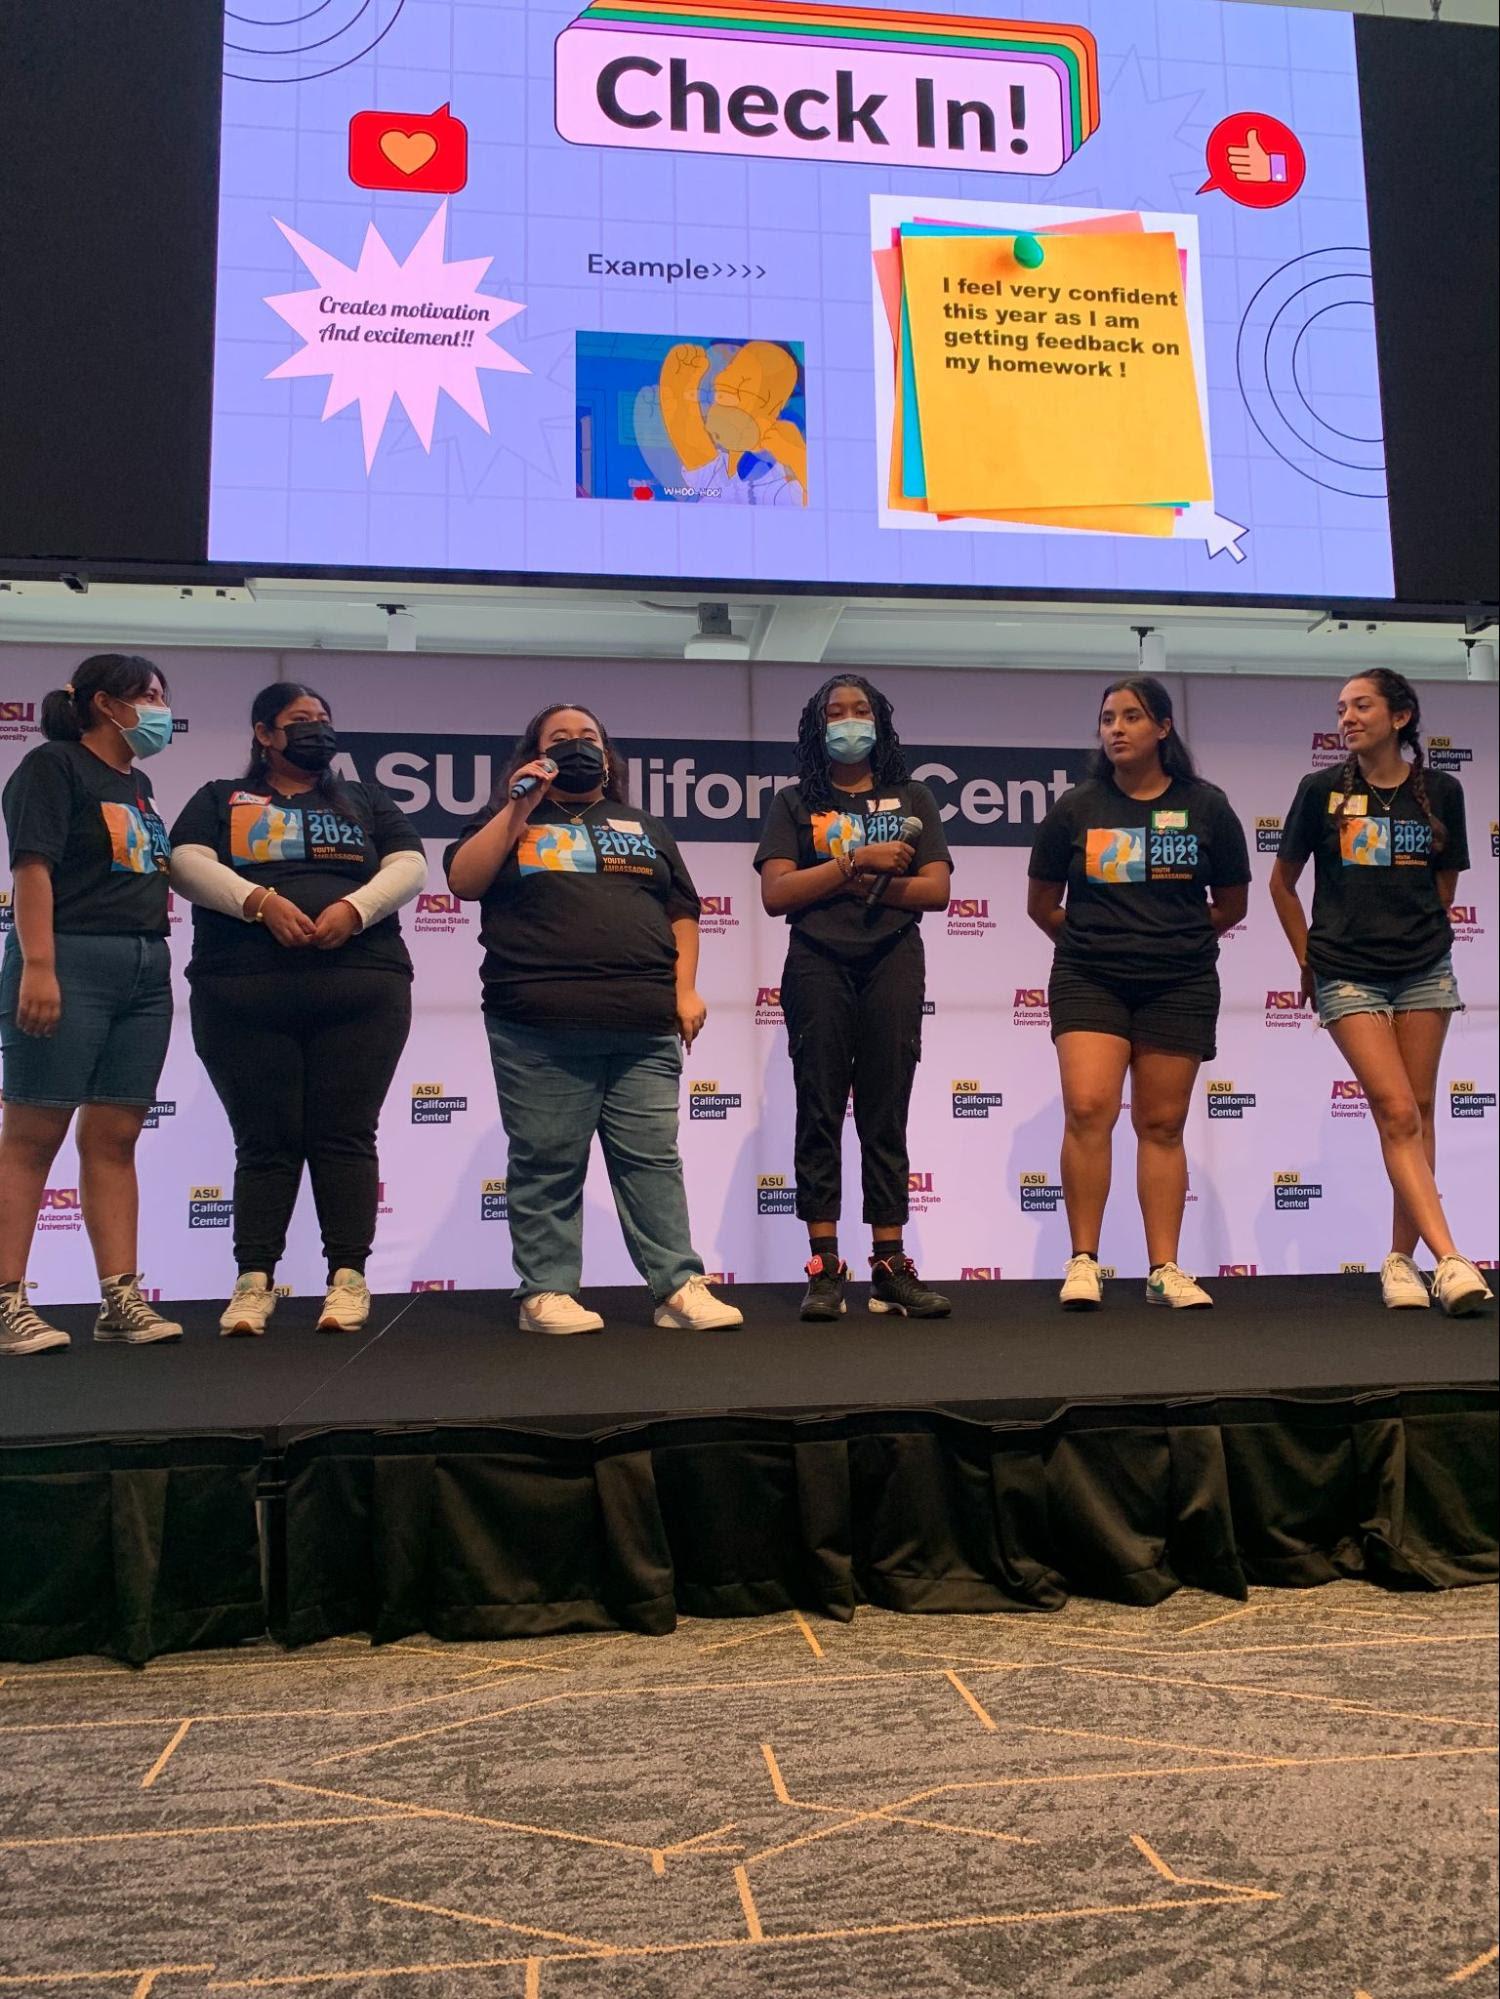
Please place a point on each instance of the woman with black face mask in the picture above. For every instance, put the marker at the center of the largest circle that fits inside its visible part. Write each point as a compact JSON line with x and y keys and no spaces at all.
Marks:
{"x":301,"y":989}
{"x":590,"y":928}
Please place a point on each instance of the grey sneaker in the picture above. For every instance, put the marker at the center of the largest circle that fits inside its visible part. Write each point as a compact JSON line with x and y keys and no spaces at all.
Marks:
{"x":21,"y":1329}
{"x":126,"y":1316}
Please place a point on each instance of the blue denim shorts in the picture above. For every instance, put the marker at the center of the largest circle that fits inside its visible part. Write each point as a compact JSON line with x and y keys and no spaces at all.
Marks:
{"x":111,"y":1042}
{"x":1432,"y":991}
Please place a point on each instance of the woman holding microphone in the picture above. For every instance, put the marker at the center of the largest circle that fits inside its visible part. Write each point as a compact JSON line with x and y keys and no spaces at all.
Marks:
{"x":1135,"y":874}
{"x":85,"y":991}
{"x":851,"y":855}
{"x":301,"y":990}
{"x":1387,"y":841}
{"x":589,"y":921}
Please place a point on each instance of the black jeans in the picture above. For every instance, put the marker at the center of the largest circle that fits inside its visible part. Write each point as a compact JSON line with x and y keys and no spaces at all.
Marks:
{"x":302,"y":1061}
{"x":854,"y":1022}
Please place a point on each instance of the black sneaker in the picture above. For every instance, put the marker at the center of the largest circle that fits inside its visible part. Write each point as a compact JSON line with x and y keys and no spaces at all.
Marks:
{"x":896,"y":1287}
{"x":824,"y":1296}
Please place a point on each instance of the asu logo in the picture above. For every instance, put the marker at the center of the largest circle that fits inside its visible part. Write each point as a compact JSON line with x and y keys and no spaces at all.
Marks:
{"x":438,"y":905}
{"x":1292,"y":1193}
{"x":1225,"y":1101}
{"x":969,"y":916}
{"x":494,"y":1205}
{"x":1346,"y":1098}
{"x":1464,"y":916}
{"x":433,"y":1284}
{"x":1444,"y":754}
{"x":1495,"y":839}
{"x":1352,"y":1269}
{"x":1038,"y":1195}
{"x":718,"y":1277}
{"x":1268,"y":835}
{"x":971,"y":1100}
{"x":921,"y":1193}
{"x":1287,"y":1009}
{"x":1467,"y":1100}
{"x":979,"y":1273}
{"x":429,"y":1104}
{"x":1283,"y":1002}
{"x":716,"y":914}
{"x":706,"y":1101}
{"x":7,"y":911}
{"x":1029,"y":1007}
{"x":63,"y":1201}
{"x":768,"y":1007}
{"x":207,"y":1208}
{"x":440,"y":915}
{"x":17,"y":711}
{"x":1327,"y":748}
{"x":772,"y":1195}
{"x":1239,"y":1269}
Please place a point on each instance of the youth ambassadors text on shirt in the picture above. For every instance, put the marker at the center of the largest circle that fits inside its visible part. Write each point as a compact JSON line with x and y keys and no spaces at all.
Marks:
{"x":577,"y":925}
{"x":1376,"y":911}
{"x":1138,"y":872}
{"x":841,"y":922}
{"x":98,"y":828}
{"x":311,"y":849}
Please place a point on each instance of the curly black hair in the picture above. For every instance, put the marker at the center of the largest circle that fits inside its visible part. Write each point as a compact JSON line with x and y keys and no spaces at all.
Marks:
{"x":1398,"y":694}
{"x":814,"y":768}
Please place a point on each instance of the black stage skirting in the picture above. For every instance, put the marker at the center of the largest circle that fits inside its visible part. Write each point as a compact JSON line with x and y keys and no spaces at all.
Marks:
{"x":441,"y":1472}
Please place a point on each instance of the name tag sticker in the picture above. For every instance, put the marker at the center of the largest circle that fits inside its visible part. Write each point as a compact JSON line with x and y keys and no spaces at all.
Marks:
{"x":1169,"y":822}
{"x":624,"y":825}
{"x":886,"y":805}
{"x":249,"y":798}
{"x":1356,"y":804}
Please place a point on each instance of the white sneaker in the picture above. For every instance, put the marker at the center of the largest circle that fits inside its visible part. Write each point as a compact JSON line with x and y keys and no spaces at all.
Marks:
{"x":1459,"y":1287}
{"x":252,"y":1303}
{"x":347,"y":1304}
{"x":1082,"y":1285}
{"x":1172,"y":1286}
{"x":695,"y":1309}
{"x":1401,"y":1285}
{"x":557,"y":1312}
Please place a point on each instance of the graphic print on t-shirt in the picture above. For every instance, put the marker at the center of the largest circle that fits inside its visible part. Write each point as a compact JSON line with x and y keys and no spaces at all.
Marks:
{"x":260,"y":831}
{"x":836,"y":833}
{"x":1173,"y":855}
{"x":556,"y":850}
{"x":137,"y":842}
{"x":1115,"y":854}
{"x":1365,"y":843}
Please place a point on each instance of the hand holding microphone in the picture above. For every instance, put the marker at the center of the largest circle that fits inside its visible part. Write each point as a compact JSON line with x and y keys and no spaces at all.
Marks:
{"x":531,"y":782}
{"x":889,"y":857}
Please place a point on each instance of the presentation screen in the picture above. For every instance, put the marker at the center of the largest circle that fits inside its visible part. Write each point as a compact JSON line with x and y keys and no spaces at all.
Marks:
{"x":760,"y":292}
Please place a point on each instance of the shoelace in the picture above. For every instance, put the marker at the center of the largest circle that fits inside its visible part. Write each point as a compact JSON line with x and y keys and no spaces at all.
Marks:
{"x":132,"y":1308}
{"x":18,"y":1310}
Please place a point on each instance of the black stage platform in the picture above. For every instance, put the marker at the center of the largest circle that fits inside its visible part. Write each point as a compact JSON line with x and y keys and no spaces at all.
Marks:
{"x":442,"y":1471}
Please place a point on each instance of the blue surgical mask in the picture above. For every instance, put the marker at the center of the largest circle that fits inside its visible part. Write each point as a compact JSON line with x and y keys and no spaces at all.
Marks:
{"x":849,"y":742}
{"x":152,"y":731}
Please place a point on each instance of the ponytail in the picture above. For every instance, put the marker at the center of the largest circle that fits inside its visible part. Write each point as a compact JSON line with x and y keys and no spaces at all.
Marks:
{"x":67,"y":711}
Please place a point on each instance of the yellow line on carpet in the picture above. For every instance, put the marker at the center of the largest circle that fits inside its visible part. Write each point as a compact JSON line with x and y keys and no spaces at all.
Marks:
{"x":747,"y":1903}
{"x":1467,"y":1971}
{"x":591,"y":1944}
{"x":986,"y":1721}
{"x":30,"y":1980}
{"x":166,"y":1755}
{"x":533,"y":1986}
{"x":201,"y":1832}
{"x":807,"y":1632}
{"x":1276,"y":1693}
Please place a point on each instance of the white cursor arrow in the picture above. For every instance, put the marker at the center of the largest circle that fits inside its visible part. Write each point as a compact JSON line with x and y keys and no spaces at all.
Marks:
{"x":1200,"y":523}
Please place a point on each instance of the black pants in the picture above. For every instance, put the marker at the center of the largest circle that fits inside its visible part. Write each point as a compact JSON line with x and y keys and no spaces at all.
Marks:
{"x":302,"y":1061}
{"x":854,"y":1023}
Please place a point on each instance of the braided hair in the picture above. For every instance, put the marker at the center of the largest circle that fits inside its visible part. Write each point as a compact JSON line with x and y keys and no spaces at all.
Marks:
{"x":1398,"y":694}
{"x":814,"y":766}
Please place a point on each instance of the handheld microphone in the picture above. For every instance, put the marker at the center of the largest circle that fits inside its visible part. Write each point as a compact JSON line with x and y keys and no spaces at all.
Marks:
{"x":524,"y":786}
{"x":911,"y":832}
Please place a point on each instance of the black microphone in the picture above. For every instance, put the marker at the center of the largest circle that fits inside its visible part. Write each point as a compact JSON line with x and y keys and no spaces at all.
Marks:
{"x":911,"y":832}
{"x":524,"y":786}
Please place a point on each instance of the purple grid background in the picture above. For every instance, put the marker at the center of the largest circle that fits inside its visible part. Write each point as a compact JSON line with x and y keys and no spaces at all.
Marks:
{"x":291,"y":489}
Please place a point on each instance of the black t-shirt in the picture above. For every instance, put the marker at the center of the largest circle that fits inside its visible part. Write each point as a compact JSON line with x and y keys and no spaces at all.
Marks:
{"x":1138,"y":872}
{"x":842,"y":923}
{"x":98,"y":828}
{"x":577,"y":925}
{"x":308,"y":848}
{"x":1376,"y":911}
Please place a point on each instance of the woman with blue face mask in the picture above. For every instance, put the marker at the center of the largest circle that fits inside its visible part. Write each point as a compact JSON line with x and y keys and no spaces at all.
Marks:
{"x":85,"y":992}
{"x":851,"y":855}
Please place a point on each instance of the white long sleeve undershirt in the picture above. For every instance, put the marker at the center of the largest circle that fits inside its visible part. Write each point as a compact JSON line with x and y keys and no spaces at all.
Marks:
{"x":202,"y":877}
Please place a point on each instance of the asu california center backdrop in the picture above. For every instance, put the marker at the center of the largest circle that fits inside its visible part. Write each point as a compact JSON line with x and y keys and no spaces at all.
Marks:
{"x":763,"y":291}
{"x":1284,"y":1161}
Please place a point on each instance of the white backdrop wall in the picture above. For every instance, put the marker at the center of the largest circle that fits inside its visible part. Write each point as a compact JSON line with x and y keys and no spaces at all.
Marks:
{"x":1284,"y":1163}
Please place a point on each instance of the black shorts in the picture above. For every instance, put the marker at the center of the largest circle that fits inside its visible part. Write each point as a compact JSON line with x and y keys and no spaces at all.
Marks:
{"x":1179,"y":1015}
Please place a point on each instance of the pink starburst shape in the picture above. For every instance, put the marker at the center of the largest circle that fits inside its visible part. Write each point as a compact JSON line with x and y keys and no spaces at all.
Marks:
{"x":389,"y":332}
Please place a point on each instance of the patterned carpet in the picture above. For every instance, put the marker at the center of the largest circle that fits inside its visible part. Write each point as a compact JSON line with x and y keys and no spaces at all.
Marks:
{"x":1294,"y":1797}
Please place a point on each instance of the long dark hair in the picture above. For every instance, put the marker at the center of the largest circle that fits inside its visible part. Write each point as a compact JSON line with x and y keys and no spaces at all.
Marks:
{"x":264,"y":709}
{"x":68,"y":711}
{"x":814,"y":766}
{"x":1172,"y":752}
{"x":1397,"y":692}
{"x":528,"y":748}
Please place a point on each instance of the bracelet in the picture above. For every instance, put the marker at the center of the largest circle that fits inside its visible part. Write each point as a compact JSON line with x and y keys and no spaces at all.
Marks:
{"x":846,"y":865}
{"x":260,"y":907}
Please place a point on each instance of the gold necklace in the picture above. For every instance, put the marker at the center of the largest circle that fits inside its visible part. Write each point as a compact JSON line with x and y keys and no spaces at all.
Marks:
{"x":1386,"y":803}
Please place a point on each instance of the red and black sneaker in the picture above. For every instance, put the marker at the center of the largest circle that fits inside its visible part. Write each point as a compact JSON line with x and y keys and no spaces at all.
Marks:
{"x":827,"y":1278}
{"x":896,"y":1287}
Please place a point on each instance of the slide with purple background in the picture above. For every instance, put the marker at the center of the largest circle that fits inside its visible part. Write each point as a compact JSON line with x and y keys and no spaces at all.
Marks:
{"x":1073,"y":299}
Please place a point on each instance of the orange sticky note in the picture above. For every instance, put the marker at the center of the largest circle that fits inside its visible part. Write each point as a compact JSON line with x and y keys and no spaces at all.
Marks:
{"x":1070,"y":386}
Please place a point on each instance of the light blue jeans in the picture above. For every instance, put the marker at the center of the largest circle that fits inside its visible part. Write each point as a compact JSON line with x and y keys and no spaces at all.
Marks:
{"x":556,"y":1089}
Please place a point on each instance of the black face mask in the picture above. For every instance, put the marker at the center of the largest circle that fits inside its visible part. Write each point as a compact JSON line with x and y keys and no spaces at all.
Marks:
{"x":310,"y":745}
{"x":580,"y":765}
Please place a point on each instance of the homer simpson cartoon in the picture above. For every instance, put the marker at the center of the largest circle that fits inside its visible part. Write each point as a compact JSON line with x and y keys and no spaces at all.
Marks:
{"x":738,"y":448}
